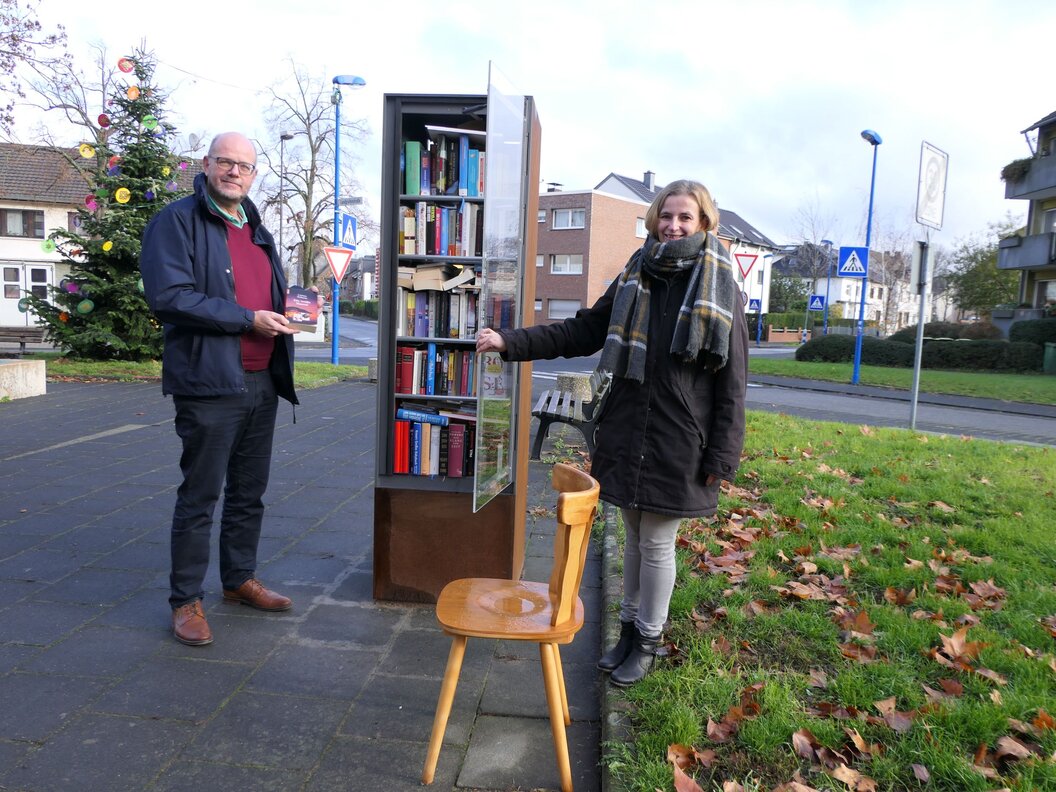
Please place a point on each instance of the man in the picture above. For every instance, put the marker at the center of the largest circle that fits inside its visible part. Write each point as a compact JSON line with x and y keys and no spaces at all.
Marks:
{"x":211,"y":274}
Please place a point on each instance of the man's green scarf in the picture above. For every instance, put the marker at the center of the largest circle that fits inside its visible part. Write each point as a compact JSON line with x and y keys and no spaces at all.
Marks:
{"x":707,"y":311}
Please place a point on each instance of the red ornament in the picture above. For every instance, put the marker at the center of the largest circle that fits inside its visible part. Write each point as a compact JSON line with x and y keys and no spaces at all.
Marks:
{"x":104,"y":120}
{"x":126,"y":65}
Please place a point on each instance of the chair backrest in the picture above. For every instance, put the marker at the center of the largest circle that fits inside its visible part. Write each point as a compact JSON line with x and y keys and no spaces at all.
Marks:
{"x":577,"y":504}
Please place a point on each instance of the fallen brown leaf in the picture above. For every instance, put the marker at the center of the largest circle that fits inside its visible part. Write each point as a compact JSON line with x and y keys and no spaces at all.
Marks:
{"x":921,"y":773}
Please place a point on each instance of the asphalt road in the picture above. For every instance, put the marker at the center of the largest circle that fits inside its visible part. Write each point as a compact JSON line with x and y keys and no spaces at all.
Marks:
{"x":970,"y":417}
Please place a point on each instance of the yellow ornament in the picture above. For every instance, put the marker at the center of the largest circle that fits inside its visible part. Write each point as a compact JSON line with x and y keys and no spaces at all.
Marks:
{"x":165,"y":171}
{"x":86,"y":150}
{"x":108,"y":246}
{"x":122,"y":195}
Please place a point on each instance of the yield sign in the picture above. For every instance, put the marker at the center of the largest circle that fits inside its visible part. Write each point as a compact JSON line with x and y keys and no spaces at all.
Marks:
{"x":745,"y":261}
{"x":338,"y":259}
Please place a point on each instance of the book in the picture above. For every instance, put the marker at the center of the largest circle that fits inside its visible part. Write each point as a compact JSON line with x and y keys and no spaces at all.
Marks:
{"x":426,"y":447}
{"x":412,"y":170}
{"x":430,"y":372}
{"x":401,"y":437}
{"x":456,"y":449}
{"x":302,"y":308}
{"x":421,"y":314}
{"x":434,"y":450}
{"x":473,"y":173}
{"x":418,"y":357}
{"x":480,"y":176}
{"x":420,"y":214}
{"x":440,"y":163}
{"x":463,"y":164}
{"x":422,"y":417}
{"x":415,"y":450}
{"x":407,"y":230}
{"x":425,"y":179}
{"x":445,"y":448}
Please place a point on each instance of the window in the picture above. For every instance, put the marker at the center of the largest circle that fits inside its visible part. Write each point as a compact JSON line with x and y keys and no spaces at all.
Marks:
{"x":759,"y":276}
{"x":566,"y":264}
{"x":38,"y":277}
{"x":538,"y":305}
{"x":542,"y":216}
{"x":539,"y":258}
{"x":639,"y":228}
{"x":1048,"y":221}
{"x":570,"y":218}
{"x":562,"y":309}
{"x":19,"y":223}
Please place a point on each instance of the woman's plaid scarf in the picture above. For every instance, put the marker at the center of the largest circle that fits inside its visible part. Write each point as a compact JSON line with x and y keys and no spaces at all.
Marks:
{"x":706,"y":315}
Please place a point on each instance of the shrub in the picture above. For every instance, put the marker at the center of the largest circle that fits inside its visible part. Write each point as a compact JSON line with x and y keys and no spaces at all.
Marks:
{"x":1037,"y":331}
{"x":981,"y":330}
{"x":345,"y":307}
{"x":827,"y":349}
{"x":1023,"y":356}
{"x":908,"y":334}
{"x":882,"y":352}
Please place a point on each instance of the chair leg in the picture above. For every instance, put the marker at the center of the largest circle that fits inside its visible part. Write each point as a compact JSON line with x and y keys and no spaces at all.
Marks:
{"x":443,"y":705}
{"x":557,"y":720}
{"x":561,"y":679}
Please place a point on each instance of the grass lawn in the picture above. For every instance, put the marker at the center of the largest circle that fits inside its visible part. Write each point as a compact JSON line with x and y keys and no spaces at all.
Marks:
{"x":1032,"y":388}
{"x":305,"y":375}
{"x":871,"y":609}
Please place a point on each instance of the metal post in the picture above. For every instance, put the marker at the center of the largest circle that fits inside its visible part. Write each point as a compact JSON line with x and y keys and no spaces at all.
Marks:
{"x":335,"y":336}
{"x":874,"y":140}
{"x":828,"y":280}
{"x":922,"y":291}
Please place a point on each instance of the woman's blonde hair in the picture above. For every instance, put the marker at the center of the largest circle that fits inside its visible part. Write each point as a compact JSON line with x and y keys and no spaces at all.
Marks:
{"x":709,"y":212}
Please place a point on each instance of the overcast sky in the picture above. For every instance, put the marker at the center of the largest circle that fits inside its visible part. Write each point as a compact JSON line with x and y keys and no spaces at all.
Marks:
{"x":762,"y":101}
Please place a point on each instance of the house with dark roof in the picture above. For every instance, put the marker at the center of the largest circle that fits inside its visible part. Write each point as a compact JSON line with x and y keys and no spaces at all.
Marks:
{"x":40,"y":190}
{"x":586,"y":236}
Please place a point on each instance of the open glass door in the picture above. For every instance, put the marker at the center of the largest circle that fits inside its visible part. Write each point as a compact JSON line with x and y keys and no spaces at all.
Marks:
{"x":500,"y":297}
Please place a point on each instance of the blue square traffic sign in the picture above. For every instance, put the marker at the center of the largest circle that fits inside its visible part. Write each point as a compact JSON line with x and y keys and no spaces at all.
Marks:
{"x":854,"y":262}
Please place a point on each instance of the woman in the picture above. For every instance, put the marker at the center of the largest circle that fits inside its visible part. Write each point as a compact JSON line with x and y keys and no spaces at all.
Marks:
{"x":673,"y":334}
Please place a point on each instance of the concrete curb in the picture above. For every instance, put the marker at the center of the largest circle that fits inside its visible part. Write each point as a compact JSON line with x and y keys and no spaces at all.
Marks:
{"x":615,"y":709}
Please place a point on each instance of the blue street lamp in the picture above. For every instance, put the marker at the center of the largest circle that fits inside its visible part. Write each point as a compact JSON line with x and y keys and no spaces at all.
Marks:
{"x":828,"y":279}
{"x":335,"y":99}
{"x":874,"y":140}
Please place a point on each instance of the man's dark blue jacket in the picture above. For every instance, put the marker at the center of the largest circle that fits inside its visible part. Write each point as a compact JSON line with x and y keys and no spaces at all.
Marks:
{"x":190,"y":287}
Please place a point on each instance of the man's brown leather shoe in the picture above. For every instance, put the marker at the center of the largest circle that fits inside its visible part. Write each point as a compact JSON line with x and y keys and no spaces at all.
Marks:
{"x":189,"y":625}
{"x":253,"y":594}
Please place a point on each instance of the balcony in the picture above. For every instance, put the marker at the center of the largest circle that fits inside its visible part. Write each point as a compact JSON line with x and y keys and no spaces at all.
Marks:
{"x":1026,"y":253}
{"x":1038,"y":183}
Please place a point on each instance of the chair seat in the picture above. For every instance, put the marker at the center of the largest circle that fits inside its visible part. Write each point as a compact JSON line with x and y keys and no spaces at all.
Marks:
{"x":506,"y":609}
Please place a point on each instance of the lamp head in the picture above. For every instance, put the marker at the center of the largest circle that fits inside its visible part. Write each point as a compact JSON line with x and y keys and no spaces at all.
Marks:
{"x":827,"y":242}
{"x":349,"y":79}
{"x":286,"y":136}
{"x":871,"y":137}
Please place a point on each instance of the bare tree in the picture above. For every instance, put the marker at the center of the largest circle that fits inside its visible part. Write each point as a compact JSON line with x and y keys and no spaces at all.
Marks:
{"x":297,"y":184}
{"x":23,"y":43}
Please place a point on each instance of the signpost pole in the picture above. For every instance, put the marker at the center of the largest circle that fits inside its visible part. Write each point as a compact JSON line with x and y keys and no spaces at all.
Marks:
{"x":922,"y":291}
{"x":874,"y":140}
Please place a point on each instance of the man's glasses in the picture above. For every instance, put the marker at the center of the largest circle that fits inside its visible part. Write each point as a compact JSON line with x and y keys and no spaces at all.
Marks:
{"x":225,"y":164}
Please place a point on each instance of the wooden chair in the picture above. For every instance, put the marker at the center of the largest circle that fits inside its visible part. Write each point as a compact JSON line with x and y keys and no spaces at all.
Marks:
{"x":545,"y":613}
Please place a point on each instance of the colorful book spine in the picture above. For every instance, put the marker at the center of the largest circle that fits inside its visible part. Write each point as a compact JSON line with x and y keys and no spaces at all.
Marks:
{"x":463,"y":164}
{"x":415,"y":456}
{"x":412,"y":173}
{"x":473,"y":173}
{"x":430,"y":372}
{"x":434,"y":450}
{"x":404,"y":414}
{"x":424,"y":183}
{"x":456,"y":449}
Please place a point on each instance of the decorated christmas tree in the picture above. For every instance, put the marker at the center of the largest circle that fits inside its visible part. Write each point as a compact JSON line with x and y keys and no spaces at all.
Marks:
{"x":99,"y":311}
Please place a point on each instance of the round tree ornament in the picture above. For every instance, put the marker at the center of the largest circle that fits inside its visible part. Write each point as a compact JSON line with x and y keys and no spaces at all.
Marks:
{"x":122,"y":195}
{"x":85,"y":307}
{"x":126,"y":65}
{"x":132,"y":93}
{"x":64,"y":317}
{"x":48,"y":245}
{"x":108,"y":246}
{"x":103,"y":120}
{"x":87,"y":150}
{"x":23,"y":305}
{"x":149,"y":122}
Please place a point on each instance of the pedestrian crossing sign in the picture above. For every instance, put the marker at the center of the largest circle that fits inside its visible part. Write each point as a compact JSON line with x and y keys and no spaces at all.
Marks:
{"x":854,"y":262}
{"x":817,"y":302}
{"x":348,"y":231}
{"x":755,"y":304}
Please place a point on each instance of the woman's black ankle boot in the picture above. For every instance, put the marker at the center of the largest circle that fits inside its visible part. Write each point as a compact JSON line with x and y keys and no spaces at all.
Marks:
{"x":612,"y":659}
{"x":638,"y":662}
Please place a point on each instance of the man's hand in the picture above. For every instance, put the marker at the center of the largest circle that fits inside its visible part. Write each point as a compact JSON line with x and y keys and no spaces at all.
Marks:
{"x":270,"y":324}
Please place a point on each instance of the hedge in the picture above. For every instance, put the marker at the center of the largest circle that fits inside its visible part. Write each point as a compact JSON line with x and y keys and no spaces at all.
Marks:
{"x":1038,"y":331}
{"x":985,"y":355}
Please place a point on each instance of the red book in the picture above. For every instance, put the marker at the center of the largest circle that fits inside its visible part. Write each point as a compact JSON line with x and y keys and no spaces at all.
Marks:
{"x":405,"y":369}
{"x":456,"y":449}
{"x":401,"y":443}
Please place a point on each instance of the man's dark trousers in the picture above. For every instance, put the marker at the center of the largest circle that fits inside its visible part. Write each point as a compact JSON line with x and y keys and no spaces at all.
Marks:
{"x":224,"y":437}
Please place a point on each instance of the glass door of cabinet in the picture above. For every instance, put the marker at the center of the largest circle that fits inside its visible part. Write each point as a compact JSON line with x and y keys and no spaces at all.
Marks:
{"x":500,"y":297}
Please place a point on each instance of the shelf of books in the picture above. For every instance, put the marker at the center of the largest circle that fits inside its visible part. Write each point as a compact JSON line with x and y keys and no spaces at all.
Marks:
{"x":449,"y":495}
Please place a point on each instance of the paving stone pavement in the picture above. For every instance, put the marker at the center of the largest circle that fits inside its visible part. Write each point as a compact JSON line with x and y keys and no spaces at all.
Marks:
{"x":337,"y":694}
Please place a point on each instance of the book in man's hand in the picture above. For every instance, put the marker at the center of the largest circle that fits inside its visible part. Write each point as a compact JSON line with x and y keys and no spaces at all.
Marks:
{"x":302,"y":308}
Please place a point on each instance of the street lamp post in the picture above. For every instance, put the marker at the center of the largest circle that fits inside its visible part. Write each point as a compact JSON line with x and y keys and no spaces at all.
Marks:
{"x":283,"y":137}
{"x":874,"y":140}
{"x":828,"y":280}
{"x":335,"y":98}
